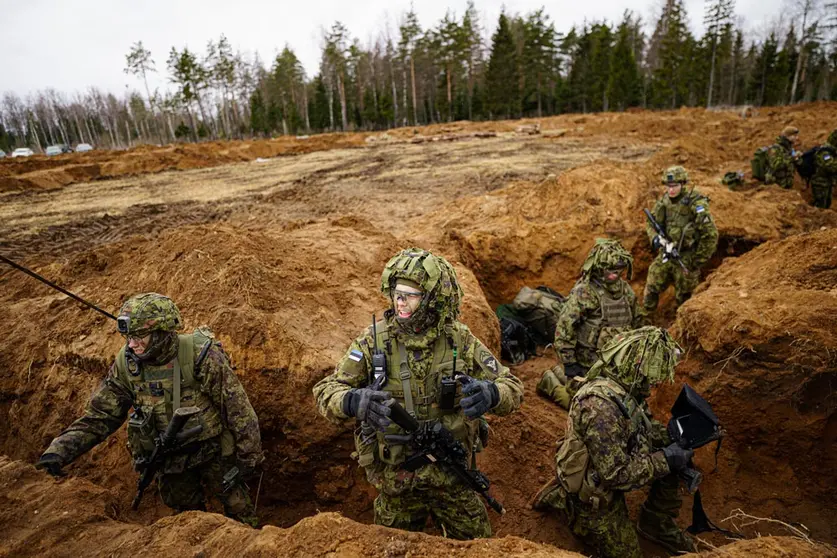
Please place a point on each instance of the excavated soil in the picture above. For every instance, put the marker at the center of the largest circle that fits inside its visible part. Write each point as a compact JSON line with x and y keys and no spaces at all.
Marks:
{"x":282,"y":258}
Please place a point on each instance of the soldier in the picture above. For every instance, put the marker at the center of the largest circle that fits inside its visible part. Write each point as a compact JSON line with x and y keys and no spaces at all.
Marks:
{"x":782,"y":158}
{"x":689,"y":226}
{"x":143,"y":377}
{"x":425,"y":346}
{"x":600,"y":305}
{"x":612,"y":446}
{"x":825,"y":175}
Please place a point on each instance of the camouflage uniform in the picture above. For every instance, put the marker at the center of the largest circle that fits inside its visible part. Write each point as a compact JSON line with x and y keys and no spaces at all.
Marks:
{"x":230,"y":434}
{"x":781,"y":163}
{"x":406,"y":499}
{"x":822,"y":183}
{"x":612,"y":446}
{"x":593,"y":313}
{"x":689,"y":224}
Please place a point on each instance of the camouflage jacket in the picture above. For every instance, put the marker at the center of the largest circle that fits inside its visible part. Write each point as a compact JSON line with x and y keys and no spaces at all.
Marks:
{"x":781,"y":163}
{"x":625,"y":454}
{"x":689,"y":224}
{"x":826,"y":173}
{"x":429,"y":358}
{"x":584,"y":306}
{"x":110,"y":403}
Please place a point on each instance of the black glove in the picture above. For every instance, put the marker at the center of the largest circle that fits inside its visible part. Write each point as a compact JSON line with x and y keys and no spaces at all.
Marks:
{"x":483,"y":396}
{"x":51,"y":463}
{"x":678,"y":458}
{"x":656,"y":242}
{"x":370,"y":406}
{"x":673,"y":430}
{"x":574,"y":369}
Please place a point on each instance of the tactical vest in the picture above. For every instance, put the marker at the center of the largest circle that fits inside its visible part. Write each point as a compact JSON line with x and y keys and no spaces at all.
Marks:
{"x":680,"y":222}
{"x":159,"y":390}
{"x":574,"y":469}
{"x":421,"y":396}
{"x":615,"y":315}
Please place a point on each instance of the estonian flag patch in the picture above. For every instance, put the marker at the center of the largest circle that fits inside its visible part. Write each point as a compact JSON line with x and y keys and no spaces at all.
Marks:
{"x":356,"y":355}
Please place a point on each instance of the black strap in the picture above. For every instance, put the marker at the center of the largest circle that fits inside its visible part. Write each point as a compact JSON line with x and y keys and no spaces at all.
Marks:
{"x":701,"y":522}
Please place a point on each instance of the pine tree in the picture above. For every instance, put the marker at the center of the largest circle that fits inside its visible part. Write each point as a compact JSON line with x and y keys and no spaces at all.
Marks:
{"x":540,"y":57}
{"x":718,"y":14}
{"x":670,"y":74}
{"x":503,"y":77}
{"x":624,"y":82}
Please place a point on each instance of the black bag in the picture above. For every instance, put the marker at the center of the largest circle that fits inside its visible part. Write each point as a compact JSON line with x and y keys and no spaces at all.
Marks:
{"x":807,"y":165}
{"x":516,"y":342}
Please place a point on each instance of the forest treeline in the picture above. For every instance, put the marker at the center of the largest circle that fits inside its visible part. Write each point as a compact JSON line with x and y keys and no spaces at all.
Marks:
{"x":452,"y":71}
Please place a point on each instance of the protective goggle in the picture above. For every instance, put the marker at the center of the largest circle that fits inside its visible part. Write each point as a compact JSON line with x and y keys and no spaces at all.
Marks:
{"x":406,"y":296}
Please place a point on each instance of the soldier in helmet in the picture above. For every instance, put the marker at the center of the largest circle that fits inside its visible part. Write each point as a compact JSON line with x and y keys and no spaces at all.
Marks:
{"x":613,"y":445}
{"x":782,"y":158}
{"x":825,"y":173}
{"x":426,"y":349}
{"x":689,"y":226}
{"x":600,"y":305}
{"x":156,"y":372}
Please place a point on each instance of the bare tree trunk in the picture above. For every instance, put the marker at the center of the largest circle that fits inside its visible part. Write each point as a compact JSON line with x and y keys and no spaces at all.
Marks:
{"x":331,"y":107}
{"x":341,"y":89}
{"x":413,"y":78}
{"x":803,"y":39}
{"x":712,"y":72}
{"x":404,"y":76}
{"x":450,"y":98}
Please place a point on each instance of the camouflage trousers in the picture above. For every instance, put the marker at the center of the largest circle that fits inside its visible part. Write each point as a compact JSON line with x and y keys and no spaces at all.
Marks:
{"x":661,"y":275}
{"x":556,"y":386}
{"x":610,"y":531}
{"x":457,"y":511}
{"x":185,"y":491}
{"x":822,"y":195}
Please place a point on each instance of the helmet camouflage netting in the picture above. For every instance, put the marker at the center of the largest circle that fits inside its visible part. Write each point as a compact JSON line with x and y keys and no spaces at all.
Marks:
{"x":648,"y":351}
{"x":435,"y":276}
{"x":150,"y":312}
{"x":607,"y":253}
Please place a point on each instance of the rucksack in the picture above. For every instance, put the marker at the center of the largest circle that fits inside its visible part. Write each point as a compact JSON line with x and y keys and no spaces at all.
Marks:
{"x":758,"y":163}
{"x":516,"y":342}
{"x":538,"y":309}
{"x":807,"y":165}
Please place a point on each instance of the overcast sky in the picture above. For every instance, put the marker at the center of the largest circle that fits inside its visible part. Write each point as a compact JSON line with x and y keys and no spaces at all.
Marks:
{"x":72,"y":44}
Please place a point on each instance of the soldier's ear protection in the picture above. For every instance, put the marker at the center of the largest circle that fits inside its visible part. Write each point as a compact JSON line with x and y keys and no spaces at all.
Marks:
{"x":122,"y":323}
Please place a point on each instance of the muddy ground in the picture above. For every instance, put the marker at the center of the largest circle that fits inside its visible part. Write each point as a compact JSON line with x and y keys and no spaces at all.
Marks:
{"x":278,"y":246}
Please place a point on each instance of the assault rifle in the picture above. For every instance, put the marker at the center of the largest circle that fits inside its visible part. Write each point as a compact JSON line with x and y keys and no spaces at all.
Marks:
{"x":168,"y":443}
{"x":435,"y":444}
{"x":670,"y":251}
{"x":693,"y":425}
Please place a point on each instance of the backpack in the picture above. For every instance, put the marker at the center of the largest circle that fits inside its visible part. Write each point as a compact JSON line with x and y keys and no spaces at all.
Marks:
{"x":538,"y":309}
{"x":758,"y":163}
{"x":807,"y":165}
{"x":516,"y":342}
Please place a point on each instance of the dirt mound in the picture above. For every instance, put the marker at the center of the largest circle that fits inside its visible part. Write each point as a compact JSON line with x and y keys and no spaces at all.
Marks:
{"x":540,"y":233}
{"x":43,"y":517}
{"x":42,"y":173}
{"x":761,"y":347}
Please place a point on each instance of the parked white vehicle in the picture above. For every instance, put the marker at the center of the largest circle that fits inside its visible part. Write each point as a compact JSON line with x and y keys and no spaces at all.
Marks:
{"x":2,"y":153}
{"x":22,"y":152}
{"x":83,"y":148}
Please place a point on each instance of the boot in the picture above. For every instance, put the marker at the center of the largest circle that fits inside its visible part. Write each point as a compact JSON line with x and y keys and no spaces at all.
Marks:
{"x":662,"y":530}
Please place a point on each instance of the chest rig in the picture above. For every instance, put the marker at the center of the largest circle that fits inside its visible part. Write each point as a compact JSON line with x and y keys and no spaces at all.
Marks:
{"x":425,"y":387}
{"x":614,"y":315}
{"x":160,"y":390}
{"x":680,"y":222}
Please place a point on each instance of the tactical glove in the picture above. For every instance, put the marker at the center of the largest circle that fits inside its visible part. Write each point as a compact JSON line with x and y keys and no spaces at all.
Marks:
{"x":678,"y":458}
{"x":574,"y":369}
{"x":483,"y":396}
{"x":657,"y":242}
{"x":51,"y":463}
{"x":370,"y":406}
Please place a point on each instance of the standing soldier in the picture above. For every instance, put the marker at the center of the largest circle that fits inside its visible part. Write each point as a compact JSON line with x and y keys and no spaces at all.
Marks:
{"x":612,"y":446}
{"x":600,"y":305}
{"x":426,"y":350}
{"x":825,"y":175}
{"x":155,"y":373}
{"x":691,"y":230}
{"x":782,"y":158}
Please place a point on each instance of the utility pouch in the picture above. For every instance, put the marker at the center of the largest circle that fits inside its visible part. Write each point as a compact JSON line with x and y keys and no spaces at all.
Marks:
{"x":141,"y":434}
{"x":447,"y":393}
{"x":366,"y":445}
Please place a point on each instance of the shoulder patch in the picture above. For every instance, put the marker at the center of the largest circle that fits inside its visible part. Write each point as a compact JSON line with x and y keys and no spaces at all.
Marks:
{"x":700,"y":209}
{"x":489,"y":361}
{"x":355,"y":355}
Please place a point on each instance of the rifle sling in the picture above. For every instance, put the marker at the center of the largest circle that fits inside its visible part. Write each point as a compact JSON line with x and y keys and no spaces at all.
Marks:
{"x":406,"y":374}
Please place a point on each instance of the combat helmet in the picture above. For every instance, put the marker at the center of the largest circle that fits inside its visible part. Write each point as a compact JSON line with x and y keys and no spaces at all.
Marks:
{"x":151,"y":314}
{"x":607,"y":253}
{"x":640,"y":358}
{"x":675,"y":174}
{"x":435,"y":276}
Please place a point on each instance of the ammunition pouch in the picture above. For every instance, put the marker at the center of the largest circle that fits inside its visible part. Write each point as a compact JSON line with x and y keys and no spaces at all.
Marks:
{"x":141,"y":434}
